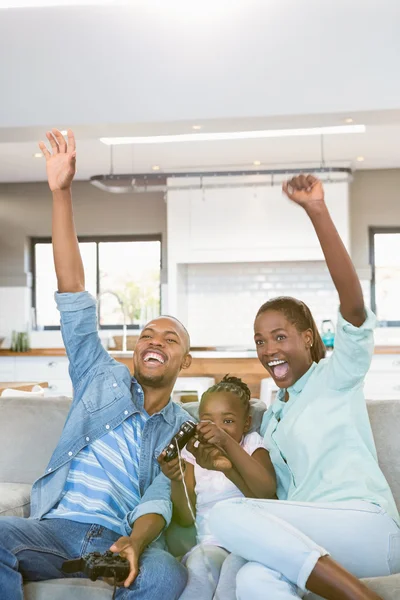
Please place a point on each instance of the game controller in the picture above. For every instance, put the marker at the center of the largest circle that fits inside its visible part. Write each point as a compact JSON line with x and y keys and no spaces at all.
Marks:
{"x":187,"y":431}
{"x":96,"y":565}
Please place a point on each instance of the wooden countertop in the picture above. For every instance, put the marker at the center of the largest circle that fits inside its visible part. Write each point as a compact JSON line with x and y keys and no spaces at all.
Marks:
{"x":23,"y":386}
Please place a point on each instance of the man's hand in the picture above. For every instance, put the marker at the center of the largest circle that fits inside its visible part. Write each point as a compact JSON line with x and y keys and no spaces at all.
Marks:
{"x":305,"y":190}
{"x":209,"y":433}
{"x":171,"y":469}
{"x":130,"y":550}
{"x":209,"y":457}
{"x":61,"y":163}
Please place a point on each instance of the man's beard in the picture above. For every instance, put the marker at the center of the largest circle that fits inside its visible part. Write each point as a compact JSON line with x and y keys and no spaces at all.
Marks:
{"x":150,"y":380}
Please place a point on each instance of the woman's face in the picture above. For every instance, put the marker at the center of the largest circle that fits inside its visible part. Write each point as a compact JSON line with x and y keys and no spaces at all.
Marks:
{"x":284,"y":351}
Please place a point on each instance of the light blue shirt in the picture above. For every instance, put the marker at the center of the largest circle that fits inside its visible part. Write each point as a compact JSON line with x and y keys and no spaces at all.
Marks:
{"x":103,"y":479}
{"x":320,"y":440}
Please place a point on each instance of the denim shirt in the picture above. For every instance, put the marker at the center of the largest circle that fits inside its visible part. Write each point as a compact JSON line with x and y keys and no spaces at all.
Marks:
{"x":105,"y":395}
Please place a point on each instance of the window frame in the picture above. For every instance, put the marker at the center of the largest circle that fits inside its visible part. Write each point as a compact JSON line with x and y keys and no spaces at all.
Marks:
{"x":151,"y":237}
{"x":371,"y":232}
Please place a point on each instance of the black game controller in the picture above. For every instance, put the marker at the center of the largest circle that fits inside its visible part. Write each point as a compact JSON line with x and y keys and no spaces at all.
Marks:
{"x":187,"y":431}
{"x":96,"y":565}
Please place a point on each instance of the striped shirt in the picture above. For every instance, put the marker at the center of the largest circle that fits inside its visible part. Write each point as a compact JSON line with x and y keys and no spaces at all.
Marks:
{"x":102,"y":485}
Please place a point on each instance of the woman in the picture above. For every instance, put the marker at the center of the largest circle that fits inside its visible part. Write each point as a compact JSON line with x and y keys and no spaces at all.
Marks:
{"x":334,"y":503}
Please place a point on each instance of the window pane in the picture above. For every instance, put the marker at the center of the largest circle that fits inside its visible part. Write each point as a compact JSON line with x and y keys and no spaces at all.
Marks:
{"x":46,"y":282}
{"x":129,"y":281}
{"x":387,"y":276}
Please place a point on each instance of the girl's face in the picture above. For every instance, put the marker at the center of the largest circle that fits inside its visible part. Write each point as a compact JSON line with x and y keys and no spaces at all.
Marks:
{"x":228,"y":411}
{"x":282,"y":349}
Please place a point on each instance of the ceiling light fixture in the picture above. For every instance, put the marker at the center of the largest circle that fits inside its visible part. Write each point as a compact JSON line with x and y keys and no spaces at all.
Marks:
{"x":155,"y":168}
{"x":64,"y":132}
{"x":360,"y":159}
{"x":196,"y":127}
{"x":349,"y":120}
{"x":37,"y":155}
{"x":233,"y":135}
{"x":257,"y":163}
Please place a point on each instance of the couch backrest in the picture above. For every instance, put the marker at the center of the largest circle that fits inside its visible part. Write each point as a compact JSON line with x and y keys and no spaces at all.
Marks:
{"x":31,"y":427}
{"x":29,"y":431}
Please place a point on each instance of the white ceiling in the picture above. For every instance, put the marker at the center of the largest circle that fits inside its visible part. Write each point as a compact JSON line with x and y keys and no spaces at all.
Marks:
{"x":160,"y":66}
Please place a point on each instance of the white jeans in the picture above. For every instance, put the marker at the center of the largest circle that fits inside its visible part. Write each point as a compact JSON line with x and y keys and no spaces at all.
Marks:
{"x":283,"y":540}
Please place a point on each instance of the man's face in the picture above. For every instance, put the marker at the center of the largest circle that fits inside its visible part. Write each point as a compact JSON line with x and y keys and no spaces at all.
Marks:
{"x":161,"y":351}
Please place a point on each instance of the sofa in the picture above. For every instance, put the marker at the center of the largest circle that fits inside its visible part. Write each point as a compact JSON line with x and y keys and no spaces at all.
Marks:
{"x":29,"y":431}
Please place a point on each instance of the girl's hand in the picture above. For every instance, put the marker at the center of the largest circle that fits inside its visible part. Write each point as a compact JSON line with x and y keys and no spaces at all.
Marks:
{"x":171,"y":469}
{"x":210,"y":433}
{"x":209,"y":457}
{"x":305,"y":190}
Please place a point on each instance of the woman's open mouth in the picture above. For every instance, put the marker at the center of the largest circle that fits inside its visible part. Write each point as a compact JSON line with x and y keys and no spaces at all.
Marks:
{"x":279,"y":368}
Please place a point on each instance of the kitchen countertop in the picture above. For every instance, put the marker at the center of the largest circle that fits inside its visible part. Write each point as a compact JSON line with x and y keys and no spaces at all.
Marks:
{"x":211,"y":354}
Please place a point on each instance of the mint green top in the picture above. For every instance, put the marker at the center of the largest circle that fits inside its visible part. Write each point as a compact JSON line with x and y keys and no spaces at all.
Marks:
{"x":320,"y":440}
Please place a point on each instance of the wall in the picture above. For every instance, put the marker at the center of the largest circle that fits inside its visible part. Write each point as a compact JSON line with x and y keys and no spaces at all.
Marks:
{"x":236,"y":292}
{"x":25,"y":211}
{"x":374,"y":201}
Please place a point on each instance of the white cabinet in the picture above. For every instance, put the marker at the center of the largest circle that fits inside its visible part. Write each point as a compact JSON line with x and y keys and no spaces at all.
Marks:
{"x":7,"y":368}
{"x":247,"y":224}
{"x":383,"y":379}
{"x":52,"y":369}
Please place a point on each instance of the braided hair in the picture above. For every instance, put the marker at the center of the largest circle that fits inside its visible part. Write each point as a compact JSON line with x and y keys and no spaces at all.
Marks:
{"x":298,"y":313}
{"x":234,"y":385}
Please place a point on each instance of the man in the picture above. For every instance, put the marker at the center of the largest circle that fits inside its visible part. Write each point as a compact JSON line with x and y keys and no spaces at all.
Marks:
{"x":102,"y":488}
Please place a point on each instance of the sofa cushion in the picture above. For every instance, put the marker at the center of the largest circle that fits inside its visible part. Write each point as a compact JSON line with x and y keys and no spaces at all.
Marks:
{"x":30,"y":429}
{"x":15,"y":499}
{"x":384,"y":416}
{"x":60,"y":589}
{"x":257,"y":410}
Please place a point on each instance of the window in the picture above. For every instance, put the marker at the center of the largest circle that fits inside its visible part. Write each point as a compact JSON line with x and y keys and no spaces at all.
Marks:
{"x":123,"y":273}
{"x":385,"y":283}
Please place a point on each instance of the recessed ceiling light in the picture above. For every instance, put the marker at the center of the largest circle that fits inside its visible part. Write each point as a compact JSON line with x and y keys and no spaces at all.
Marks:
{"x":349,"y":120}
{"x":257,"y":163}
{"x":155,"y":168}
{"x":37,"y":155}
{"x":196,"y":127}
{"x":234,"y":135}
{"x":360,"y":159}
{"x":64,"y":132}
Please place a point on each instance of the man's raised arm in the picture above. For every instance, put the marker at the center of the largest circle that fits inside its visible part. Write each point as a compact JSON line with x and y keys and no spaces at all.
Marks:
{"x":60,"y":165}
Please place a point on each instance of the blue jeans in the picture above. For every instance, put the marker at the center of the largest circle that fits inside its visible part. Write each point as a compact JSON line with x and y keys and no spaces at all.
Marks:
{"x":32,"y":550}
{"x":283,"y":540}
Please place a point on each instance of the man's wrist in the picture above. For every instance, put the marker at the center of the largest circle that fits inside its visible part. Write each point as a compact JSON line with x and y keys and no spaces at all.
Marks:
{"x":61,"y":193}
{"x":316,"y":209}
{"x":138,"y":543}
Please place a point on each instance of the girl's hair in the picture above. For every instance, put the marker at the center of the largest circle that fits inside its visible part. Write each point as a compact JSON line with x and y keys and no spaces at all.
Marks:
{"x":300,"y":316}
{"x":234,"y":385}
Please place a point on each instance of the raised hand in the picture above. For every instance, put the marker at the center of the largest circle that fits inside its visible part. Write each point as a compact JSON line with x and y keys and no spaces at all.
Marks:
{"x":61,"y":162}
{"x":305,"y":190}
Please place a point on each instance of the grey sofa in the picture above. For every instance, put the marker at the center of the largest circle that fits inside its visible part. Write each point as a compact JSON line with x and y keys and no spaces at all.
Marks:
{"x":30,"y":429}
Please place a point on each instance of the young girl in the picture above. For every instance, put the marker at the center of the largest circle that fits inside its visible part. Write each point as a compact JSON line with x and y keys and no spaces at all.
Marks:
{"x":226,"y":462}
{"x":333,"y":500}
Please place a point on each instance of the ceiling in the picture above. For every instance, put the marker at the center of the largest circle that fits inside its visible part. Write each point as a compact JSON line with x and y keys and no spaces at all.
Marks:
{"x":154,"y":67}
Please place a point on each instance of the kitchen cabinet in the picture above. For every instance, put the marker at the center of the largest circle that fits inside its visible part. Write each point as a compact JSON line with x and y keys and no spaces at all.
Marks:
{"x":53,"y":369}
{"x":246,"y":224}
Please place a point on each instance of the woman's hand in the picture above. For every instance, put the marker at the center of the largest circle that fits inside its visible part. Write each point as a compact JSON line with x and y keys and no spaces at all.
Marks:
{"x":171,"y":469}
{"x":305,"y":190}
